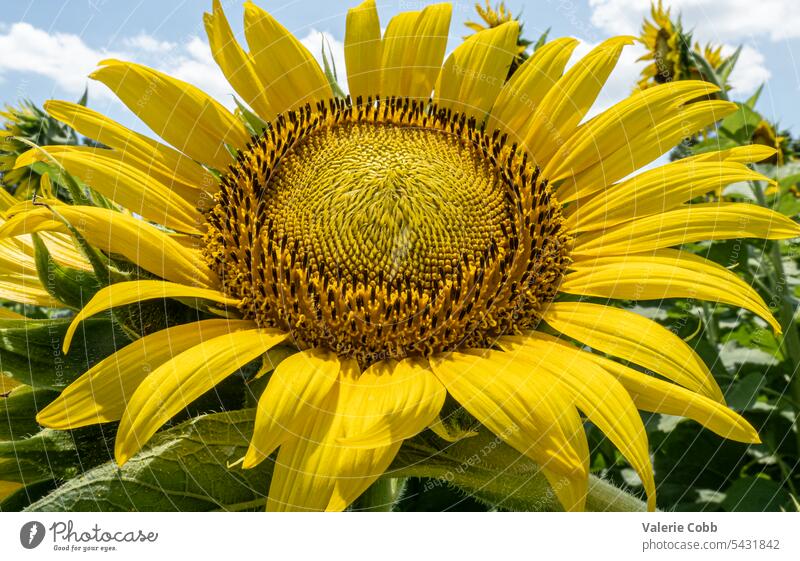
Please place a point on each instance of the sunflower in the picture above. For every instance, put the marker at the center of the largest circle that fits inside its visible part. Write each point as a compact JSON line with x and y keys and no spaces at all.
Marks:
{"x":766,"y":134}
{"x":712,"y":53}
{"x":409,"y":245}
{"x":494,"y":17}
{"x":667,"y":48}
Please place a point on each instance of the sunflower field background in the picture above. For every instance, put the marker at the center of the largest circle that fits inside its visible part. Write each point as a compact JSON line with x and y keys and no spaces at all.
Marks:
{"x":459,"y":466}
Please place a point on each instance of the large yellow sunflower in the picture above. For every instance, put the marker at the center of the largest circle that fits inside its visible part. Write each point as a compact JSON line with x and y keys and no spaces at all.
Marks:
{"x":441,"y":231}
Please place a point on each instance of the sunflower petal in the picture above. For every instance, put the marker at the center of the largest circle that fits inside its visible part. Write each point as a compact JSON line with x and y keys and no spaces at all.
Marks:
{"x":297,"y":386}
{"x":598,"y":394}
{"x":176,"y":383}
{"x":236,"y":65}
{"x":522,"y":94}
{"x":635,"y":338}
{"x":363,"y":50}
{"x":662,"y":274}
{"x":316,"y":472}
{"x":473,"y":74}
{"x":651,"y":394}
{"x":178,"y":112}
{"x":400,"y":399}
{"x":107,"y":173}
{"x":673,"y":126}
{"x":165,"y":164}
{"x":114,"y":232}
{"x":655,"y":191}
{"x":570,"y":489}
{"x":413,"y":49}
{"x":101,"y":394}
{"x":511,"y":401}
{"x":130,"y":292}
{"x":568,"y":101}
{"x":690,"y":223}
{"x":617,"y":127}
{"x":290,"y":75}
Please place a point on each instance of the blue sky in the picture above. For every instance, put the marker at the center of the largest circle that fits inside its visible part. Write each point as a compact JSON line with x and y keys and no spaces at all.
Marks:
{"x":47,"y":47}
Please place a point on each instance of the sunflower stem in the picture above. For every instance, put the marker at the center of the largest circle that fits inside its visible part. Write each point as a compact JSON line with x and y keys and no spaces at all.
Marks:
{"x":381,"y":495}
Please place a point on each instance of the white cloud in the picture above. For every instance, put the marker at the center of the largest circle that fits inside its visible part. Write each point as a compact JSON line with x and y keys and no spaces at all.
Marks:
{"x":313,"y":41}
{"x":720,"y":20}
{"x":62,"y":57}
{"x":148,"y":44}
{"x":67,"y":60}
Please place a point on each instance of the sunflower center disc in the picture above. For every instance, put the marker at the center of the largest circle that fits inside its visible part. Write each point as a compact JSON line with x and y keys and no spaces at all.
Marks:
{"x":384,"y":200}
{"x":385,"y":230}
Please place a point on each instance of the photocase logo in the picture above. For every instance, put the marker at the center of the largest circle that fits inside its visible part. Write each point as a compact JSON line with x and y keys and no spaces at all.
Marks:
{"x":31,"y":534}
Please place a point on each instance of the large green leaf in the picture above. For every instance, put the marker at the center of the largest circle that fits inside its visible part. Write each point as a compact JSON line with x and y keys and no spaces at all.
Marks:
{"x":184,"y":468}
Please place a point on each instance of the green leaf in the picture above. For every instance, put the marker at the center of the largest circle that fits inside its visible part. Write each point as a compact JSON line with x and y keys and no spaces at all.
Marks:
{"x":741,"y":124}
{"x":755,"y":494}
{"x":490,"y":471}
{"x":255,"y":125}
{"x":85,"y":97}
{"x":708,"y":73}
{"x":18,"y":411}
{"x":330,"y":69}
{"x":753,"y":99}
{"x":724,"y":70}
{"x":743,"y":392}
{"x":30,"y":350}
{"x":72,"y":287}
{"x":184,"y":468}
{"x":541,"y":40}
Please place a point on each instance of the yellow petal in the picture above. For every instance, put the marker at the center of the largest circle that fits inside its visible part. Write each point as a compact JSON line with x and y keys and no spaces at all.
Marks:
{"x":178,"y":112}
{"x":662,"y":274}
{"x":690,"y":223}
{"x":750,"y":154}
{"x":175,"y":384}
{"x":290,"y":75}
{"x":570,"y":489}
{"x":399,"y":400}
{"x":101,"y":394}
{"x":305,"y":472}
{"x":114,"y":232}
{"x":5,"y":313}
{"x":316,"y":472}
{"x":107,"y":173}
{"x":598,"y":394}
{"x":236,"y":65}
{"x":297,"y":387}
{"x":635,"y":338}
{"x":655,"y":191}
{"x":620,"y":125}
{"x":522,"y":94}
{"x":511,"y":401}
{"x":165,"y":164}
{"x":413,"y":50}
{"x":568,"y":101}
{"x":122,"y":293}
{"x":363,"y":50}
{"x":651,"y":394}
{"x":473,"y":74}
{"x":673,"y":126}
